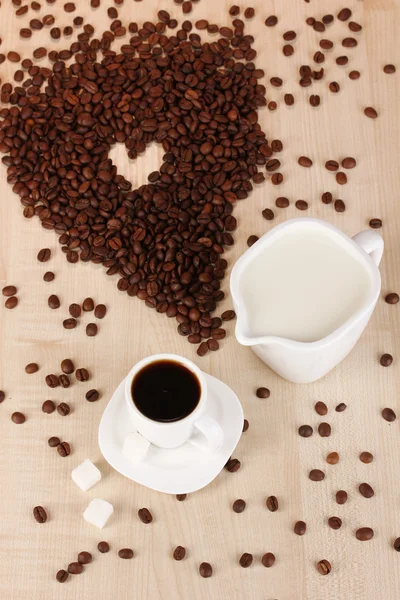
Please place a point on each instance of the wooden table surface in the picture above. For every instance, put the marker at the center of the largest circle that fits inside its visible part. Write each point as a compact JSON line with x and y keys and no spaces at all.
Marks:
{"x":275,"y":459}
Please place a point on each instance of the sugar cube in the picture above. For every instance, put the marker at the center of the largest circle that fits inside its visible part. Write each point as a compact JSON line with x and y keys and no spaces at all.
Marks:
{"x":98,"y":512}
{"x":135,"y":447}
{"x":86,"y":475}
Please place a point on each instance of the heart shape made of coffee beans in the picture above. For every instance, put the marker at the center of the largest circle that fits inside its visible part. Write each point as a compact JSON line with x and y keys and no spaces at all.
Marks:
{"x":165,"y":240}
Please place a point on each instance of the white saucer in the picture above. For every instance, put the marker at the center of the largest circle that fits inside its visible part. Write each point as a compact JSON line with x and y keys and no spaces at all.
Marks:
{"x":180,"y":470}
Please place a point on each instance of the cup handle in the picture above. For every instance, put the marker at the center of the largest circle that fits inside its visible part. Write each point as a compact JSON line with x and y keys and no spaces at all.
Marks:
{"x":212,"y":436}
{"x":372,"y":243}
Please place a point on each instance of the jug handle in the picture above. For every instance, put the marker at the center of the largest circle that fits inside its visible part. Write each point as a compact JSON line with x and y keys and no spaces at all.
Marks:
{"x":372,"y":243}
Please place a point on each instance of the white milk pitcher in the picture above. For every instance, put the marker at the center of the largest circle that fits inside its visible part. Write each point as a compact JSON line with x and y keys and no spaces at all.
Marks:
{"x":303,"y":295}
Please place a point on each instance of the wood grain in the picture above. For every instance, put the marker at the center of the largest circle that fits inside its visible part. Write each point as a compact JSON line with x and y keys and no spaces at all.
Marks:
{"x":275,"y":460}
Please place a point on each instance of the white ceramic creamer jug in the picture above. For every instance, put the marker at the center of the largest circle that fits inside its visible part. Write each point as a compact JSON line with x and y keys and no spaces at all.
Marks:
{"x":303,"y":295}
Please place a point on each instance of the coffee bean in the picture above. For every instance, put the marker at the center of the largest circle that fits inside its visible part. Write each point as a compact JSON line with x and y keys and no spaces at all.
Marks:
{"x":245,"y":426}
{"x":52,"y":381}
{"x":288,"y":50}
{"x":252,"y":240}
{"x":48,"y":407}
{"x":238,"y":506}
{"x":326,"y":44}
{"x":179,"y":553}
{"x":63,"y":409}
{"x":349,"y":162}
{"x":202,"y":349}
{"x":232,"y":465}
{"x":342,"y":60}
{"x":62,"y":576}
{"x":316,"y":475}
{"x":334,"y":522}
{"x":396,"y":544}
{"x":300,"y":528}
{"x":53,"y":442}
{"x":13,"y":57}
{"x":271,"y":21}
{"x":392,"y":298}
{"x":319,"y":57}
{"x":318,"y":26}
{"x":100,"y":311}
{"x":366,"y":457}
{"x":310,"y":21}
{"x":341,"y":497}
{"x":349,"y":42}
{"x":289,"y":99}
{"x":324,"y":567}
{"x":82,"y":374}
{"x":9,"y":290}
{"x":64,"y":449}
{"x":85,"y":558}
{"x":272,"y":503}
{"x":67,"y":366}
{"x":276,"y":82}
{"x":354,"y":75}
{"x":228,"y":315}
{"x":389,"y":69}
{"x":277,"y":178}
{"x":321,"y":408}
{"x":40,"y":514}
{"x":364,"y":534}
{"x":304,"y":161}
{"x":324,"y":429}
{"x":282,"y":202}
{"x":75,"y":568}
{"x":339,"y":205}
{"x":249,"y":13}
{"x":49,"y":276}
{"x":344,"y":14}
{"x":334,"y":87}
{"x":64,"y":381}
{"x":341,"y":407}
{"x":205,"y":569}
{"x":341,"y":178}
{"x":91,"y":329}
{"x":366,"y":490}
{"x":370,"y":112}
{"x":145,"y":515}
{"x":103,"y":547}
{"x":301,"y":204}
{"x":315,"y":100}
{"x":88,"y":304}
{"x":54,"y":302}
{"x":2,"y":396}
{"x":18,"y":418}
{"x":332,"y":458}
{"x":263,"y":392}
{"x":212,"y":345}
{"x":375,"y":223}
{"x":305,"y":431}
{"x":181,"y":497}
{"x":69,"y":7}
{"x":328,"y":19}
{"x":386,"y":360}
{"x":11,"y":302}
{"x":74,"y":310}
{"x":69,"y":323}
{"x":246,"y":560}
{"x":44,"y":255}
{"x":32,"y":368}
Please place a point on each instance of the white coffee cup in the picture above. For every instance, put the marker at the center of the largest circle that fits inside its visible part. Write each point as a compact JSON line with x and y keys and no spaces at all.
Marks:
{"x":199,"y":428}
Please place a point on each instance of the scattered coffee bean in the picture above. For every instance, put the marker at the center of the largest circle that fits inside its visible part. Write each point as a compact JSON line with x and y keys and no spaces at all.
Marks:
{"x":334,"y":522}
{"x":341,"y":407}
{"x":70,"y":323}
{"x":32,"y":368}
{"x":344,"y":14}
{"x":288,"y":50}
{"x":331,"y":165}
{"x":392,"y":298}
{"x":92,"y":395}
{"x":326,"y":44}
{"x":305,"y":431}
{"x":53,"y":441}
{"x":370,"y":112}
{"x":263,"y":393}
{"x":268,"y":559}
{"x":63,"y":409}
{"x":74,"y":310}
{"x":54,"y":301}
{"x":145,"y":515}
{"x":103,"y":547}
{"x":315,"y":100}
{"x":179,"y":553}
{"x":48,"y":407}
{"x":321,"y":408}
{"x":354,"y":75}
{"x":82,"y":374}
{"x":11,"y":302}
{"x":332,"y":458}
{"x":40,"y":514}
{"x":245,"y":426}
{"x":91,"y":329}
{"x":9,"y":290}
{"x":181,"y":497}
{"x":233,"y":465}
{"x":282,"y":202}
{"x":212,"y":345}
{"x":100,"y":311}
{"x":228,"y":315}
{"x":353,"y":26}
{"x":249,"y":13}
{"x":246,"y":560}
{"x":339,"y":205}
{"x":84,"y":558}
{"x":75,"y":568}
{"x":366,"y":457}
{"x":326,"y":198}
{"x":62,"y":576}
{"x":64,"y":449}
{"x":364,"y":534}
{"x":389,"y":69}
{"x":304,"y":161}
{"x":18,"y":418}
{"x":316,"y":475}
{"x":324,"y":429}
{"x":252,"y":239}
{"x":341,"y":178}
{"x":289,"y":99}
{"x":324,"y":567}
{"x":334,"y":87}
{"x":2,"y":396}
{"x":342,"y":60}
{"x":64,"y":381}
{"x":349,"y":42}
{"x":341,"y":497}
{"x":44,"y":255}
{"x":386,"y":360}
{"x":202,"y":349}
{"x":271,"y":21}
{"x":396,"y":544}
{"x":272,"y":503}
{"x":52,"y":381}
{"x":277,"y":178}
{"x":88,"y":305}
{"x":67,"y":366}
{"x":238,"y":506}
{"x":375,"y":223}
{"x":300,"y":528}
{"x":205,"y":569}
{"x":349,"y":162}
{"x":301,"y":204}
{"x":366,"y":490}
{"x":268,"y":214}
{"x":49,"y":276}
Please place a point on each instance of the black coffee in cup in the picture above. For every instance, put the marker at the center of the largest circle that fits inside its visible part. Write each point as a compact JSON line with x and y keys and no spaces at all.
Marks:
{"x":165,"y":391}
